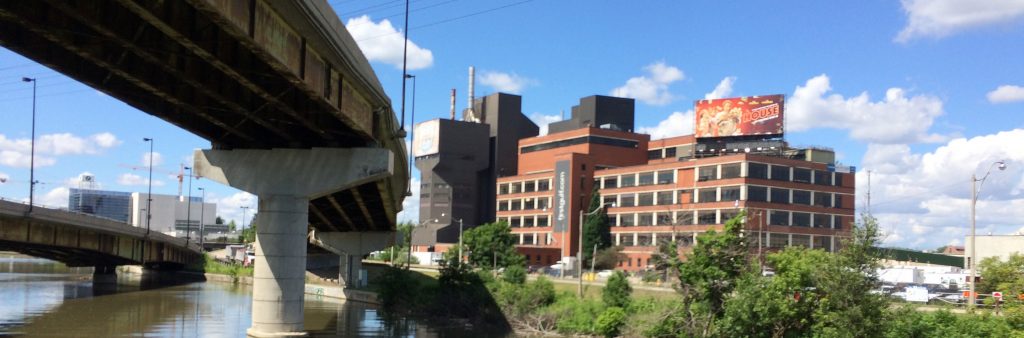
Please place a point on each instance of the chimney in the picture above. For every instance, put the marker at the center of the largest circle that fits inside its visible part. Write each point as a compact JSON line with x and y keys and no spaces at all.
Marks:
{"x":472,"y":77}
{"x":453,"y":105}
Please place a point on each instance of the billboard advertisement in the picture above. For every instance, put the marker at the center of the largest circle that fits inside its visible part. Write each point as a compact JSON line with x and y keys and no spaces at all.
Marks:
{"x":425,"y":141}
{"x":739,"y":116}
{"x":561,"y":202}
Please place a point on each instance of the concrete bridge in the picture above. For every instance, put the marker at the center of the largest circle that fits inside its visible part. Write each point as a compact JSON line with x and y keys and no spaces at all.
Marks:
{"x":83,"y":240}
{"x":292,"y":109}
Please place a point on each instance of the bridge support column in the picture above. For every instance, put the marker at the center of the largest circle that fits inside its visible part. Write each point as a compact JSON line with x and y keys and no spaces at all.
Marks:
{"x":352,"y":246}
{"x":285,"y":180}
{"x":104,"y":274}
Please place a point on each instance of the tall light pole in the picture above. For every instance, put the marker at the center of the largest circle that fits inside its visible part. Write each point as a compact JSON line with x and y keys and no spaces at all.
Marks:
{"x":412,"y":131}
{"x":149,"y":193}
{"x":202,"y":215}
{"x":579,"y":254}
{"x":188,"y":208}
{"x":244,"y":210}
{"x":405,"y":57}
{"x":460,"y":235}
{"x":32,"y":157}
{"x":975,"y":187}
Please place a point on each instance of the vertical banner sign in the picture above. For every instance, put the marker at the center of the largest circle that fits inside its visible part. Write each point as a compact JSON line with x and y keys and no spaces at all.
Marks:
{"x":562,"y":186}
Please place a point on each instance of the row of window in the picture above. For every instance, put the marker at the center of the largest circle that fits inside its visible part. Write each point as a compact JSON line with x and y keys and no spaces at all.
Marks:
{"x":756,"y":193}
{"x":524,"y":186}
{"x":529,"y":203}
{"x":641,"y":199}
{"x":720,"y":216}
{"x":655,"y":154}
{"x":686,"y":239}
{"x":527,"y":221}
{"x":769,"y":172}
{"x":636,"y":179}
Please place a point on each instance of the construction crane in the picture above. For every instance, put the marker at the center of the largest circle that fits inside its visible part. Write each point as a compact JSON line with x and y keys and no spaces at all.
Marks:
{"x":180,"y":175}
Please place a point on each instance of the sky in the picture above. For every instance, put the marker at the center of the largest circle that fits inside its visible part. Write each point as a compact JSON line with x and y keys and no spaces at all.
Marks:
{"x":920,"y":95}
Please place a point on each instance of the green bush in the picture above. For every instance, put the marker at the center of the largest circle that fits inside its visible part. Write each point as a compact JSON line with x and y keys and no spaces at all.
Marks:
{"x":575,"y":316}
{"x":514,"y":275}
{"x":610,"y":322}
{"x":616,"y":292}
{"x":397,"y":289}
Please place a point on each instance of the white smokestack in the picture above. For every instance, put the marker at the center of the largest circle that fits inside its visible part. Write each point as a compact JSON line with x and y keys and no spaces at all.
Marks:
{"x":472,"y":78}
{"x":453,"y":104}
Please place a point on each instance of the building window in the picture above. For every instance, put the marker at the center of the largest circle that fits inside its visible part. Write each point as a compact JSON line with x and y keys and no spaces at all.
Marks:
{"x":757,"y":170}
{"x":823,"y":242}
{"x":728,"y":214}
{"x":802,"y":197}
{"x":778,"y":240}
{"x":516,"y":205}
{"x":666,"y":177}
{"x":627,"y":240}
{"x":502,"y":205}
{"x":801,"y":219}
{"x":705,"y":217}
{"x":664,"y":218}
{"x":646,"y":178}
{"x":801,"y":175}
{"x":730,"y":170}
{"x":611,"y":182}
{"x":543,"y":203}
{"x":780,"y":173}
{"x":515,"y":188}
{"x":645,"y":219}
{"x":644,"y":240}
{"x":730,"y":193}
{"x":837,"y":222}
{"x":515,"y":222}
{"x":542,"y":221}
{"x":645,"y":199}
{"x":528,"y":221}
{"x":543,"y":185}
{"x":684,"y":239}
{"x":664,"y":198}
{"x":627,"y":200}
{"x":780,"y":195}
{"x":684,"y":218}
{"x":707,"y":173}
{"x":757,"y":194}
{"x":707,"y":195}
{"x":822,"y":221}
{"x":822,"y":177}
{"x":628,"y":180}
{"x":801,"y":240}
{"x":778,"y":217}
{"x":528,"y":239}
{"x":838,"y":179}
{"x":528,"y":204}
{"x":838,"y":202}
{"x":503,"y":189}
{"x":627,"y":220}
{"x":663,"y":238}
{"x":610,"y":199}
{"x":529,"y":186}
{"x":654,"y":154}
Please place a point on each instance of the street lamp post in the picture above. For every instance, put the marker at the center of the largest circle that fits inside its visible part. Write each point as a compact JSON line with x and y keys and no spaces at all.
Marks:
{"x":579,"y":253}
{"x":32,"y":157}
{"x":412,"y":128}
{"x":149,"y":193}
{"x":188,"y":208}
{"x":202,"y":215}
{"x":244,"y":210}
{"x":975,"y":188}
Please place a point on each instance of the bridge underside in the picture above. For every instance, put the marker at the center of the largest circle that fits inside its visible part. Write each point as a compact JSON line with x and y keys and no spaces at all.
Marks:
{"x":241,"y":74}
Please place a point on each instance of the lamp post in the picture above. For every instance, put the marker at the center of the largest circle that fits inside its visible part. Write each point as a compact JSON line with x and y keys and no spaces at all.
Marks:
{"x":149,"y":193}
{"x":32,"y":157}
{"x":188,"y":208}
{"x":412,"y":128}
{"x":460,"y":235}
{"x":975,"y":188}
{"x":579,"y":254}
{"x":244,"y":210}
{"x":202,"y":214}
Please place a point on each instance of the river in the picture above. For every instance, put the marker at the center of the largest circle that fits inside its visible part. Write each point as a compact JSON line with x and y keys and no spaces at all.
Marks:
{"x":44,"y":298}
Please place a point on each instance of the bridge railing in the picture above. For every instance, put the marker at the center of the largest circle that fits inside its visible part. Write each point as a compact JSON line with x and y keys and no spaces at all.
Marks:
{"x":63,"y":209}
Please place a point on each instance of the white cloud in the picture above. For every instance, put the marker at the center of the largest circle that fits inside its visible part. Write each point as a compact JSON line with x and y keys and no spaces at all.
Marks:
{"x":55,"y":198}
{"x":1006,"y":94}
{"x":17,"y":152}
{"x":411,"y":204}
{"x":157,"y":159}
{"x":505,"y":82}
{"x":939,"y":18}
{"x":230,"y":208}
{"x":543,"y":121}
{"x":382,"y":42}
{"x":652,"y":88}
{"x":132,"y":180}
{"x":678,"y":123}
{"x":896,"y":119}
{"x":922,"y":200}
{"x":723,"y":89}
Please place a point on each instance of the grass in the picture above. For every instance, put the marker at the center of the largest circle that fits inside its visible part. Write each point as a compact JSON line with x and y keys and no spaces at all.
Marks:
{"x":210,"y":265}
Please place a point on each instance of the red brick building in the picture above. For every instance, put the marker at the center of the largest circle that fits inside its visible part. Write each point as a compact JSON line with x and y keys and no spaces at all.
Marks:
{"x":669,"y":189}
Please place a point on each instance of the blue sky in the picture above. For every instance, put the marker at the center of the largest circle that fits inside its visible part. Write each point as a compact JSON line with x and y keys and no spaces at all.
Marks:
{"x":922,"y":93}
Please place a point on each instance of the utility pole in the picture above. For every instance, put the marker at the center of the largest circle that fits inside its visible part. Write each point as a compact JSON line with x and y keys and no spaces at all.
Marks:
{"x":32,"y":157}
{"x":188,"y":209}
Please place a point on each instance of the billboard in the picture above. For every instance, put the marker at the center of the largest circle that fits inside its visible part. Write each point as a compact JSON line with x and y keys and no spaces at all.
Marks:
{"x":739,"y":116}
{"x":561,"y":202}
{"x":425,"y":141}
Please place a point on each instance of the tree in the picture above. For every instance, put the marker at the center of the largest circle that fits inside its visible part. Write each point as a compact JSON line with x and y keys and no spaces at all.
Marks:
{"x":617,"y":291}
{"x":608,"y":258}
{"x":666,"y":260}
{"x":1004,"y":276}
{"x":596,"y":229}
{"x":491,"y":243}
{"x":219,"y":220}
{"x":232,"y":226}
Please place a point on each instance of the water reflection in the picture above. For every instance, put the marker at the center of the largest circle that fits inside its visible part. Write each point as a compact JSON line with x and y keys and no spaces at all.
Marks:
{"x":43,"y":298}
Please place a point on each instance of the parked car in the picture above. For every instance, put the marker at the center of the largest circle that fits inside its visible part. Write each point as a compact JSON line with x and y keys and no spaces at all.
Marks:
{"x":604,"y":274}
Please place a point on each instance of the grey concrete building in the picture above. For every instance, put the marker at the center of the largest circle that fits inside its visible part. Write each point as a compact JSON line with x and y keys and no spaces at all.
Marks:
{"x":598,"y":111}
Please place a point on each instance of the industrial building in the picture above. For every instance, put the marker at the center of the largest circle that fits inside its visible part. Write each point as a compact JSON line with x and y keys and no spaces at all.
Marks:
{"x":174,"y":215}
{"x":114,"y":205}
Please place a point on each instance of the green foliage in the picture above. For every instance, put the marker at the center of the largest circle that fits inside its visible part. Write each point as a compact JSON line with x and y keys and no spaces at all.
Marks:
{"x":219,"y":220}
{"x":1005,"y":276}
{"x":616,"y":292}
{"x":397,"y":289}
{"x":249,"y":234}
{"x":666,"y":260}
{"x":610,"y":322}
{"x":519,"y":300}
{"x":608,"y":258}
{"x":574,"y":315}
{"x":909,"y":322}
{"x":210,"y":265}
{"x":232,"y":226}
{"x":596,"y":229}
{"x":490,"y":243}
{"x":514,"y":275}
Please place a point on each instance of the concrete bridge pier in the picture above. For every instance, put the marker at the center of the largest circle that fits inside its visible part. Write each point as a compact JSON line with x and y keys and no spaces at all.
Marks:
{"x":104,"y":275}
{"x":352,"y":246}
{"x":285,"y":180}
